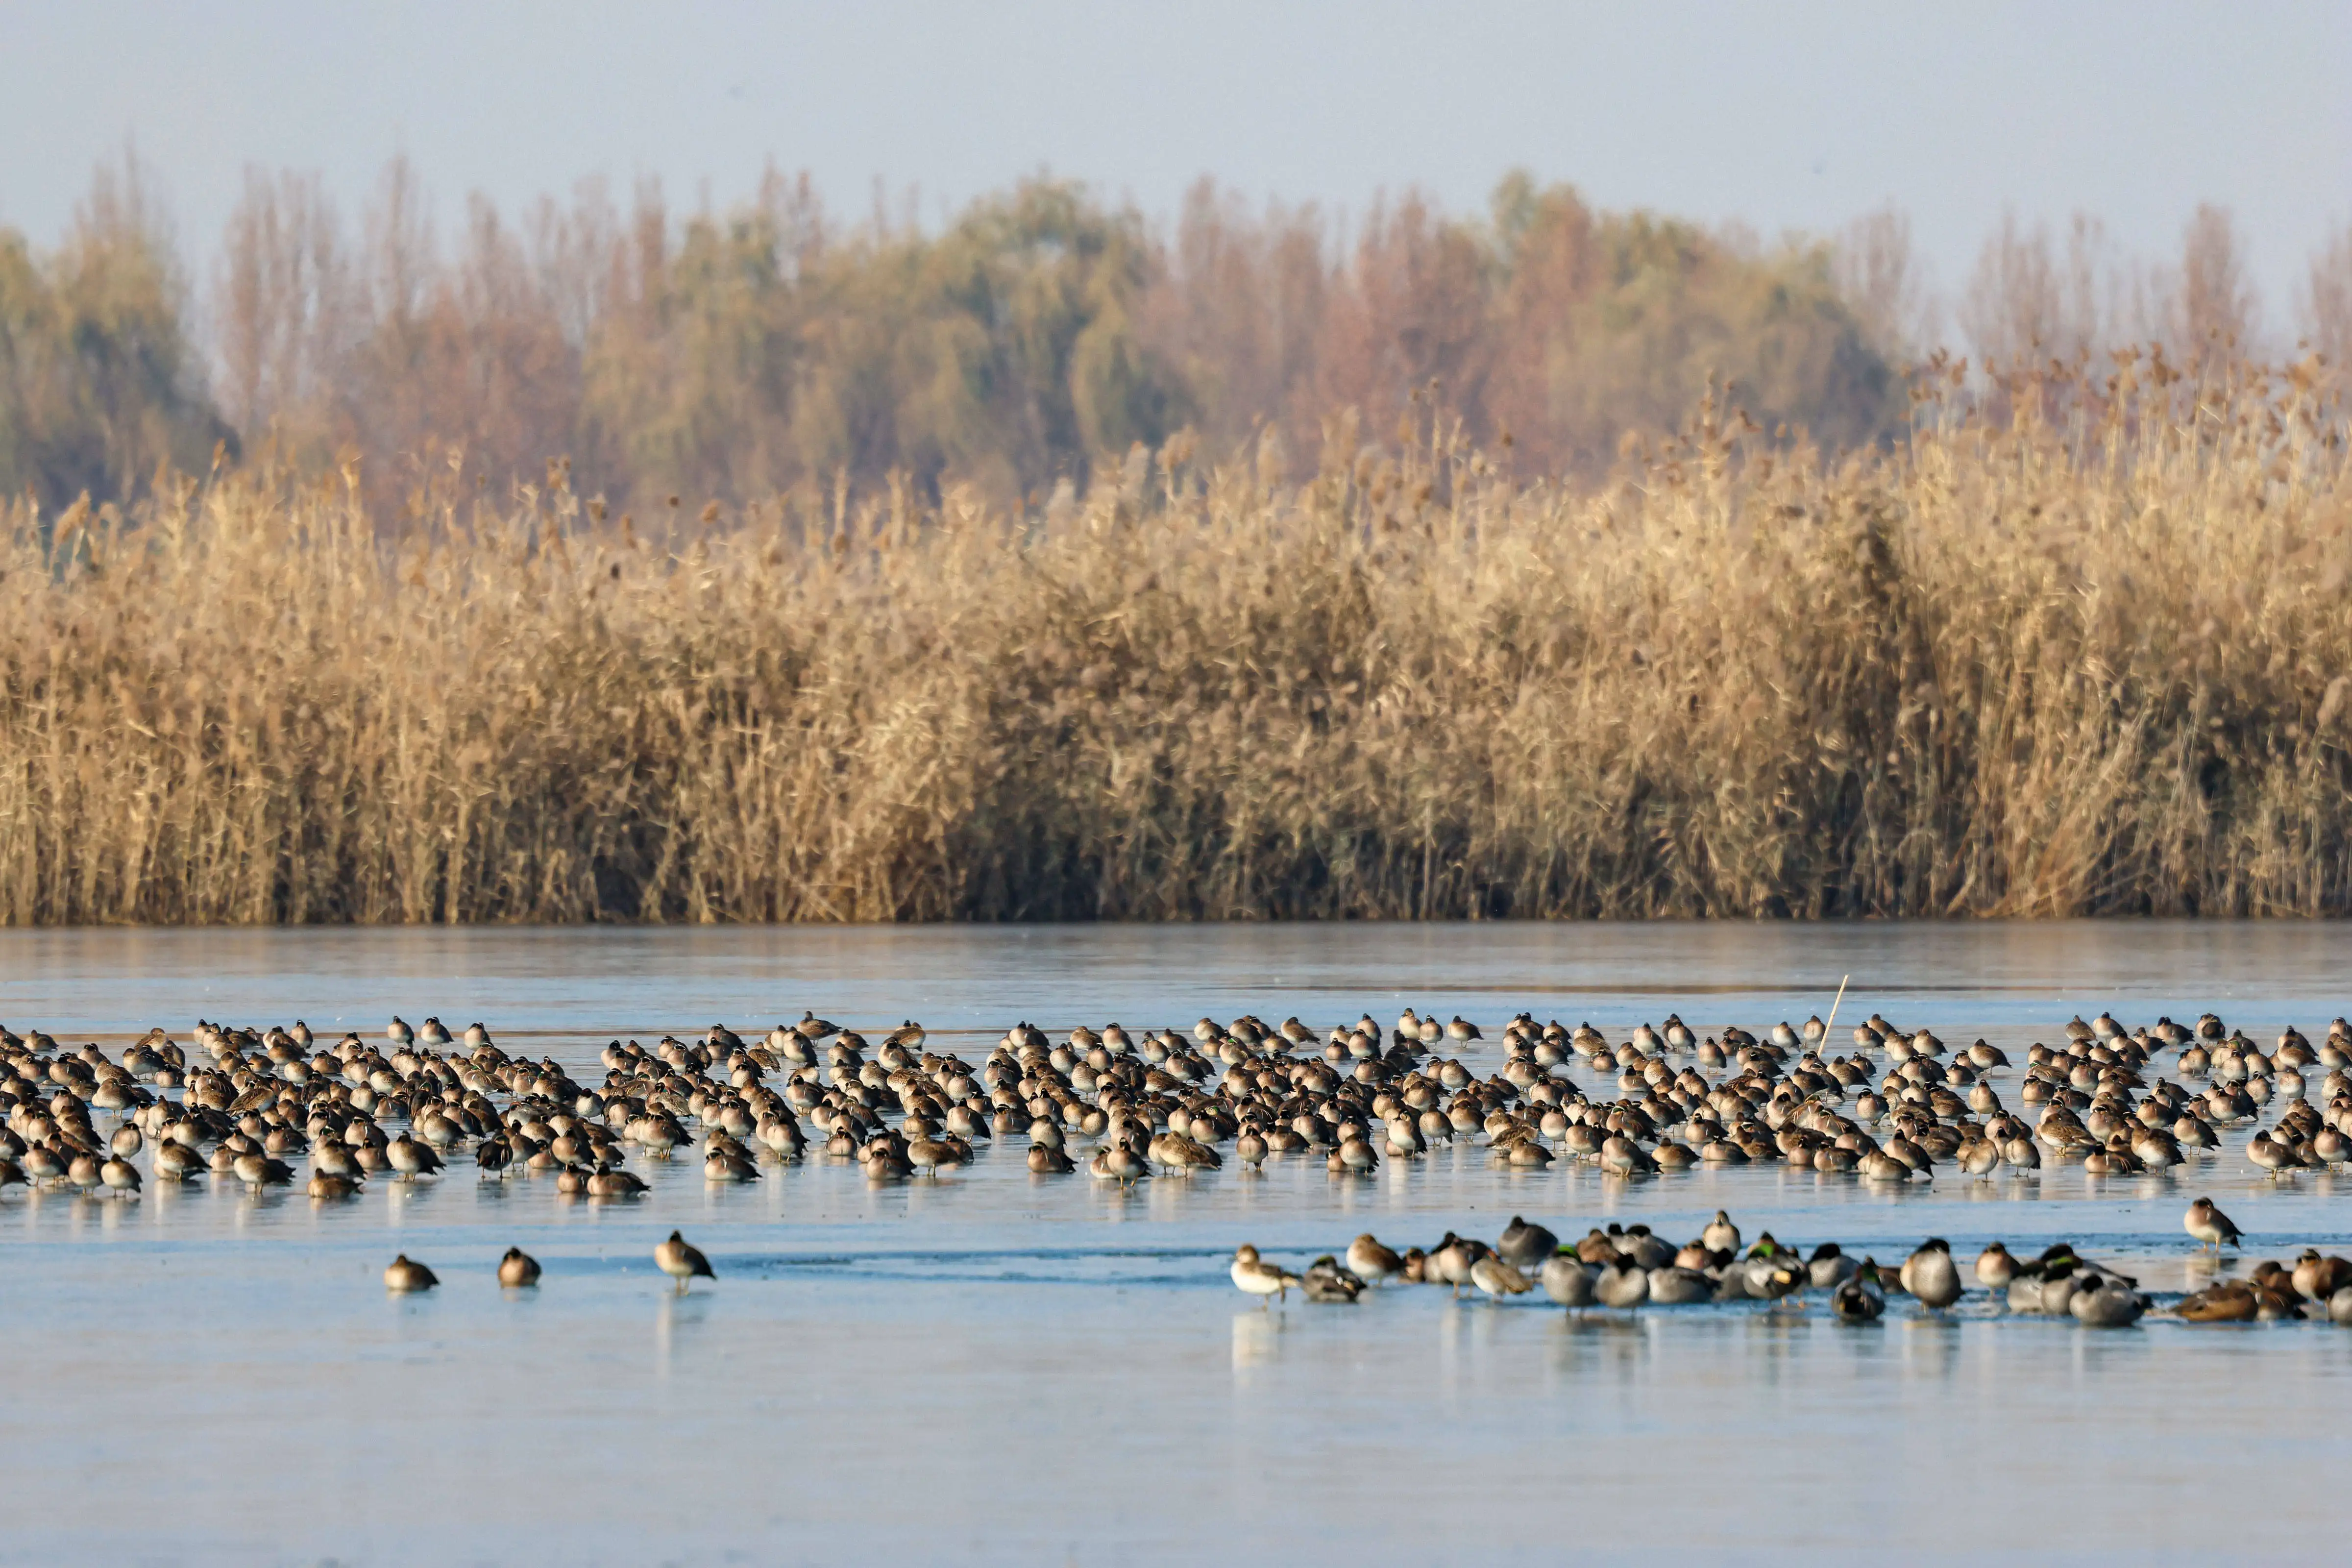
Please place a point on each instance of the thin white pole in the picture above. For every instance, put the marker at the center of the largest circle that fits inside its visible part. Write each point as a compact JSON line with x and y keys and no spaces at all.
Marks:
{"x":1827,"y":1037}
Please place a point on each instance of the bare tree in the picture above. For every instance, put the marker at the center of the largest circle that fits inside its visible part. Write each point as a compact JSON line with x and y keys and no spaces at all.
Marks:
{"x":2025,"y":303}
{"x":2210,"y":309}
{"x":1886,"y":283}
{"x":282,"y":314}
{"x":2326,"y":304}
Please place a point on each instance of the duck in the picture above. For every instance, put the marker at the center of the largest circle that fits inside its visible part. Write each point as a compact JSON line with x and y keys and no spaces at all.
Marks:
{"x":1525,"y":1246}
{"x":2107,"y":1304}
{"x":258,"y":1170}
{"x":1569,"y":1280}
{"x":1996,"y":1267}
{"x":1978,"y":1157}
{"x":41,"y":1163}
{"x":2209,"y":1225}
{"x":120,"y":1175}
{"x":1260,"y":1278}
{"x":1495,"y":1276}
{"x":2025,"y":1291}
{"x":1774,"y":1279}
{"x":929,"y":1155}
{"x":2225,"y":1301}
{"x":682,"y":1261}
{"x":1860,"y":1299}
{"x":1451,"y":1259}
{"x":615,"y":1183}
{"x":1047,"y":1160}
{"x":1119,"y":1163}
{"x":517,"y":1269}
{"x":1326,"y":1282}
{"x":723,"y":1166}
{"x":411,"y":1159}
{"x":1372,"y":1261}
{"x":1675,"y":1286}
{"x":402,"y":1274}
{"x":1622,"y":1284}
{"x":1647,"y":1248}
{"x":2320,"y":1277}
{"x":1829,"y":1267}
{"x":1928,"y":1274}
{"x":2274,"y":1155}
{"x":328,"y":1187}
{"x":2059,"y":1284}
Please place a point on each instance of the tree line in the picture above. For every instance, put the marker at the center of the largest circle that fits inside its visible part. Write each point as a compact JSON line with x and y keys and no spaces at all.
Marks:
{"x":730,"y":355}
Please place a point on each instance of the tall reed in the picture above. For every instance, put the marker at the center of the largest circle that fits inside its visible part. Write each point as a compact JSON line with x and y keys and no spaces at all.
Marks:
{"x":2089,"y":654}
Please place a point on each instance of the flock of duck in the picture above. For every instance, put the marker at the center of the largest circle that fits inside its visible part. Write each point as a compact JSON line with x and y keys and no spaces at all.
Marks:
{"x":1900,"y":1106}
{"x":1630,"y":1265}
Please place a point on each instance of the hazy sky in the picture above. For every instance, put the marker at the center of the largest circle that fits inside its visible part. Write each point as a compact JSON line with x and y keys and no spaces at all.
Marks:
{"x":1786,"y":116}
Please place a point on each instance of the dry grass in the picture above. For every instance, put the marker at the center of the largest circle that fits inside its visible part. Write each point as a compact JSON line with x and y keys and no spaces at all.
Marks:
{"x":2033,"y":667}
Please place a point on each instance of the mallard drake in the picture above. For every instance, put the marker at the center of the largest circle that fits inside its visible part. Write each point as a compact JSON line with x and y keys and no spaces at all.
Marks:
{"x":1775,"y":1278}
{"x":1860,"y":1299}
{"x":1326,"y":1282}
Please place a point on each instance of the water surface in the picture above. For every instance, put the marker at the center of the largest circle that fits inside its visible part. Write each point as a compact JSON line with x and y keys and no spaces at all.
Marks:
{"x":996,"y":1366}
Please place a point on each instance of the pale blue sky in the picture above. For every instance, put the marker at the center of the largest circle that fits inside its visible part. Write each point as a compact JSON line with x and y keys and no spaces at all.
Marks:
{"x":1785,"y":116}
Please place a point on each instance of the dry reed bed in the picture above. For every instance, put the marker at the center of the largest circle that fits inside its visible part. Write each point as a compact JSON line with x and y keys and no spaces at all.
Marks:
{"x":2020,"y":667}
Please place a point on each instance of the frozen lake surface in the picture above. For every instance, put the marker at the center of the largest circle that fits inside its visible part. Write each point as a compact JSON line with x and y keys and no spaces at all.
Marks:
{"x":997,"y":1366}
